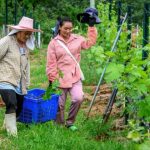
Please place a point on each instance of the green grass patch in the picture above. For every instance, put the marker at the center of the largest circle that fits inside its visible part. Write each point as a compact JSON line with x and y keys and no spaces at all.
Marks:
{"x":49,"y":136}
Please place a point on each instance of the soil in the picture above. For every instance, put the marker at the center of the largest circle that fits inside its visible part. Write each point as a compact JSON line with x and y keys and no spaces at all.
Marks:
{"x":100,"y":104}
{"x":101,"y":100}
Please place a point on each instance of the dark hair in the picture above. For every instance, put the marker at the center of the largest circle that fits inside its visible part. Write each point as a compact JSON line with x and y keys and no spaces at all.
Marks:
{"x":59,"y":23}
{"x":62,"y":20}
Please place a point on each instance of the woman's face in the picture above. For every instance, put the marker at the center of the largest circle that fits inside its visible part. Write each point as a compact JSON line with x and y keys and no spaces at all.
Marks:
{"x":22,"y":36}
{"x":66,"y":30}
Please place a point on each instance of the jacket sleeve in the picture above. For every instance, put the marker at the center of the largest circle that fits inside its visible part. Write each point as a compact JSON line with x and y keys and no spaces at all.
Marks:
{"x":3,"y":47}
{"x":91,"y":38}
{"x":51,"y":66}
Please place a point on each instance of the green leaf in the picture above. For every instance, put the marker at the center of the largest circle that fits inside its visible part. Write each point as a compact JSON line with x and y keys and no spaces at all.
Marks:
{"x":53,"y":88}
{"x":110,"y":54}
{"x":144,"y":146}
{"x":142,"y":88}
{"x":114,"y":71}
{"x":134,"y":135}
{"x":143,"y":108}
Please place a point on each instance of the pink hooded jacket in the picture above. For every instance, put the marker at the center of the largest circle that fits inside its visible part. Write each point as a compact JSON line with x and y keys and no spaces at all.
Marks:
{"x":59,"y":60}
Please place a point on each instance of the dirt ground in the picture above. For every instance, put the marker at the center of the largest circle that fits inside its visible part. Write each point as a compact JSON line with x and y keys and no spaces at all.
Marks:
{"x":100,"y":103}
{"x":101,"y":99}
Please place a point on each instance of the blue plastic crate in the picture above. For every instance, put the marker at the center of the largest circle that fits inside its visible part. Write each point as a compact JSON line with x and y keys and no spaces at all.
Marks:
{"x":36,"y":110}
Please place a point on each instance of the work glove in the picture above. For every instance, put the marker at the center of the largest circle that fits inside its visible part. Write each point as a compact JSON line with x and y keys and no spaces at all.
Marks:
{"x":91,"y":21}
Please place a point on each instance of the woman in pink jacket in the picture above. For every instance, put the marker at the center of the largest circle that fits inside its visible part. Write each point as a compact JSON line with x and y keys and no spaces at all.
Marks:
{"x":58,"y":59}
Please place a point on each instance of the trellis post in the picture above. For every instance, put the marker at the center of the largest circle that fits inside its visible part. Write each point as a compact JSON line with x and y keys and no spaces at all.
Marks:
{"x":6,"y":16}
{"x":15,"y":12}
{"x":92,"y":3}
{"x":145,"y":29}
{"x":110,"y":8}
{"x":129,"y":26}
{"x":119,"y":14}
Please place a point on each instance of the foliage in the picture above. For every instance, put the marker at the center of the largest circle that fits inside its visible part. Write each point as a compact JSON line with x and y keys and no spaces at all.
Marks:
{"x":137,"y":133}
{"x":143,"y":146}
{"x":97,"y":56}
{"x":97,"y":128}
{"x":125,"y":69}
{"x":1,"y":12}
{"x":50,"y":136}
{"x":52,"y":89}
{"x":133,"y":82}
{"x":137,"y":9}
{"x":49,"y":10}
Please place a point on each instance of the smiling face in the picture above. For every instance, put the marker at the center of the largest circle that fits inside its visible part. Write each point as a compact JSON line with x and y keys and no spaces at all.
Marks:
{"x":22,"y":36}
{"x":65,"y":30}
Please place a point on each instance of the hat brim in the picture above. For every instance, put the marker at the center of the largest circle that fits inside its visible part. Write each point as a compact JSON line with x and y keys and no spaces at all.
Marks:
{"x":84,"y":18}
{"x":97,"y":20}
{"x":24,"y":29}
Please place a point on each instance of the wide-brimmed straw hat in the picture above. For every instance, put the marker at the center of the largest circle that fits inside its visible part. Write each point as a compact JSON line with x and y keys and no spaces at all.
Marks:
{"x":87,"y":14}
{"x":25,"y":24}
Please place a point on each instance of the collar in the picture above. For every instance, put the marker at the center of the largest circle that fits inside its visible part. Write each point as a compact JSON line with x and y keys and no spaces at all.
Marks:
{"x":72,"y":37}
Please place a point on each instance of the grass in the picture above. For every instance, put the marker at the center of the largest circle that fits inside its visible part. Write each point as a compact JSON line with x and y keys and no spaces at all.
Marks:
{"x":49,"y":136}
